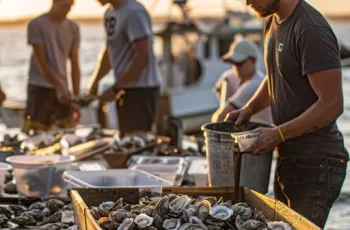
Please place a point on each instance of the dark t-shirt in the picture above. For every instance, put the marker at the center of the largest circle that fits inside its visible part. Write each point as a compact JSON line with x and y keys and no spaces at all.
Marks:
{"x":303,"y":44}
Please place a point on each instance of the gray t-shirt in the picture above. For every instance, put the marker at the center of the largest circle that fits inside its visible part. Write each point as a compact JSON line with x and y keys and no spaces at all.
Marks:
{"x":303,"y":44}
{"x":58,"y":40}
{"x":123,"y":26}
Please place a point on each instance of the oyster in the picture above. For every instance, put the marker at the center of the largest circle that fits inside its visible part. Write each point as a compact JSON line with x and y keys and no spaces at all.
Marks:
{"x":46,"y":212}
{"x":23,"y":219}
{"x":98,"y":213}
{"x":243,"y":210}
{"x":106,"y":223}
{"x":17,"y":209}
{"x":67,"y":216}
{"x":178,"y":205}
{"x":36,"y":214}
{"x":211,"y":199}
{"x":203,"y":210}
{"x":158,"y":221}
{"x":143,"y":221}
{"x":127,"y":224}
{"x":50,"y":227}
{"x":190,"y":211}
{"x":171,"y":224}
{"x":3,"y":220}
{"x":59,"y":203}
{"x":162,"y":206}
{"x":136,"y":209}
{"x":5,"y":212}
{"x":149,"y":210}
{"x":106,"y":205}
{"x":188,"y":226}
{"x":171,"y":197}
{"x":120,"y":215}
{"x":227,"y":203}
{"x":38,"y":205}
{"x":55,"y":218}
{"x":220,"y":213}
{"x":250,"y":224}
{"x":117,"y":205}
{"x":196,"y":220}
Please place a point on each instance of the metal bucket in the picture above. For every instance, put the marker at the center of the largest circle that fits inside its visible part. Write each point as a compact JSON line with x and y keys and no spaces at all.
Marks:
{"x":221,"y":154}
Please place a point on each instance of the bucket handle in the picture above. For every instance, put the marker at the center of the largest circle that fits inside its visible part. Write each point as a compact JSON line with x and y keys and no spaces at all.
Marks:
{"x":237,"y":155}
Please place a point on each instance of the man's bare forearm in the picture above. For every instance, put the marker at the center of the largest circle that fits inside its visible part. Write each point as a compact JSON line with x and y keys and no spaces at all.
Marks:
{"x":76,"y":80}
{"x":103,"y":66}
{"x":317,"y":116}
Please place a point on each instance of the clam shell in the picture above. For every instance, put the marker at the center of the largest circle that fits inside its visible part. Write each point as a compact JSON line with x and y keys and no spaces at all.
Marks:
{"x":143,"y":221}
{"x":171,"y":224}
{"x":222,"y":213}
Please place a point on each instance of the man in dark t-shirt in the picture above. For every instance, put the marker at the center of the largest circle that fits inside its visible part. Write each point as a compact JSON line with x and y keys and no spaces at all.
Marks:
{"x":304,"y":89}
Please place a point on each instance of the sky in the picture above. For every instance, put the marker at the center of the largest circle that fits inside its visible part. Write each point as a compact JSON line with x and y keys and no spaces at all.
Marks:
{"x":12,"y":9}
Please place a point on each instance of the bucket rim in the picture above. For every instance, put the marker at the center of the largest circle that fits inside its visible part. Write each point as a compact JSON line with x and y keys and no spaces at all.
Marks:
{"x":13,"y":160}
{"x":205,"y":129}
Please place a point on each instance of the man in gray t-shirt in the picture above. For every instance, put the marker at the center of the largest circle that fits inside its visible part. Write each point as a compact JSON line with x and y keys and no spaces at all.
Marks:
{"x":54,"y":40}
{"x":129,"y":53}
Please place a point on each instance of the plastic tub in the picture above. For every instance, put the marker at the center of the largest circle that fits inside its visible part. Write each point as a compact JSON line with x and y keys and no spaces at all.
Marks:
{"x":115,"y":178}
{"x":199,"y":169}
{"x":4,"y":168}
{"x":167,"y":172}
{"x":40,"y":176}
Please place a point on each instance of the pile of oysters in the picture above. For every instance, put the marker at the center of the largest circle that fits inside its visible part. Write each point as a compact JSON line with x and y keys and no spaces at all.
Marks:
{"x":178,"y":212}
{"x":43,"y":215}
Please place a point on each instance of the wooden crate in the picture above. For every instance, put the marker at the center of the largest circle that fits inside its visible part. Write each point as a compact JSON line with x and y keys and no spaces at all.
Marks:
{"x":271,"y":208}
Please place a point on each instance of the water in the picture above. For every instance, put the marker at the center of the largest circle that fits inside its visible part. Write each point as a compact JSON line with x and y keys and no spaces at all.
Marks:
{"x":14,"y":56}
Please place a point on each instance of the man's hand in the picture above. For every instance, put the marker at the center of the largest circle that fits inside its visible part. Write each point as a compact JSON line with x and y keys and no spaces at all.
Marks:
{"x":238,"y":116}
{"x":268,"y":140}
{"x":111,"y":95}
{"x":221,"y":113}
{"x":76,"y":114}
{"x":62,"y":93}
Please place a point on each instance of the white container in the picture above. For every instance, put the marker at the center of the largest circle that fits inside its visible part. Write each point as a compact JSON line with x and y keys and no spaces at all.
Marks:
{"x":3,"y":170}
{"x":40,"y":176}
{"x":245,"y":139}
{"x":12,"y":112}
{"x":167,"y":172}
{"x":199,"y":169}
{"x":114,"y":178}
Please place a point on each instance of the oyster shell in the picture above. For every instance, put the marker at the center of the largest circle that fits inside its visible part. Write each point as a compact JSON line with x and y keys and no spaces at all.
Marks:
{"x":106,"y":205}
{"x":171,"y":224}
{"x":36,"y":214}
{"x":127,"y":224}
{"x":220,"y":213}
{"x":17,"y":209}
{"x":23,"y":219}
{"x":98,"y":213}
{"x":106,"y":223}
{"x":38,"y":205}
{"x":120,"y":215}
{"x":178,"y":205}
{"x":5,"y":211}
{"x":188,"y":226}
{"x":203,"y":210}
{"x":52,"y":206}
{"x":117,"y":205}
{"x":190,"y":211}
{"x":3,"y":220}
{"x":149,"y":210}
{"x":162,"y":207}
{"x":158,"y":221}
{"x":250,"y":224}
{"x":243,"y":210}
{"x":196,"y":220}
{"x":143,"y":221}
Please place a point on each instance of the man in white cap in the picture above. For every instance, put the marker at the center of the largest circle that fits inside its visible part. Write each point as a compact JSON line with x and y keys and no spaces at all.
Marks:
{"x":242,"y":82}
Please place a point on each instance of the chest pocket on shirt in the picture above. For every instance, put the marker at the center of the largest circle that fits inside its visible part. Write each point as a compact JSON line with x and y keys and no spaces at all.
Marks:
{"x":110,"y":25}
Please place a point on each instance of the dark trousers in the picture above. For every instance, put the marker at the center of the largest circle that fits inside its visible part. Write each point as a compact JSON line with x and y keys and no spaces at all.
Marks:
{"x":309,"y":187}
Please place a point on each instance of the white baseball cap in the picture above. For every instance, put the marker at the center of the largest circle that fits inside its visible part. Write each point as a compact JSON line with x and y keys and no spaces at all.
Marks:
{"x":240,"y":51}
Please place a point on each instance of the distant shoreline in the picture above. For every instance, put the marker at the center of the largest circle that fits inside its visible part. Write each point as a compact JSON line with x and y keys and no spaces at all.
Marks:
{"x":98,"y":20}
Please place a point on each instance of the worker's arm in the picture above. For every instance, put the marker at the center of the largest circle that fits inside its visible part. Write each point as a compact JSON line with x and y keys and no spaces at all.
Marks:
{"x":74,"y":59}
{"x":101,"y":70}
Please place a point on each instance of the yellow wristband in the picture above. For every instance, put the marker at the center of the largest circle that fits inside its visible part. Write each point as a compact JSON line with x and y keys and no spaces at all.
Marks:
{"x":249,"y":110}
{"x":281,"y":134}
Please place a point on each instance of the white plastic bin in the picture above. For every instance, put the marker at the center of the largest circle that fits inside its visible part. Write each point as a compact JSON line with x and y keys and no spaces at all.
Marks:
{"x":167,"y":172}
{"x":115,"y":178}
{"x":199,"y":169}
{"x":160,"y":160}
{"x":40,"y":176}
{"x":4,"y":168}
